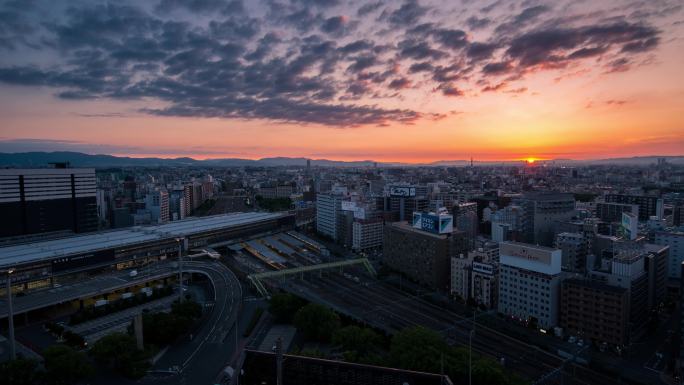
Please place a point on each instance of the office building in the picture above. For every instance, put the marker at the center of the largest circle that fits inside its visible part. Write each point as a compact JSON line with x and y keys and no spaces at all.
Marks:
{"x":574,"y":248}
{"x":675,"y":240}
{"x":484,"y":289}
{"x":367,"y":234}
{"x":46,"y":200}
{"x":507,"y":224}
{"x":157,"y":204}
{"x":424,"y":256}
{"x":541,"y":212}
{"x":595,"y":311}
{"x":328,"y":213}
{"x":461,"y":267}
{"x":649,"y":206}
{"x":529,"y":283}
{"x":612,"y":212}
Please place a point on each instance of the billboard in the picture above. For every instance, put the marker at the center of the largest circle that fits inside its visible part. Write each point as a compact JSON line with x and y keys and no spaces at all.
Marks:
{"x":524,"y":251}
{"x":483,"y":268}
{"x":438,"y":224}
{"x":402,"y":191}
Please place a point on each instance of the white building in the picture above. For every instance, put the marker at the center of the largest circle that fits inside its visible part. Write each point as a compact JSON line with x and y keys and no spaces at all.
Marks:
{"x":367,"y":234}
{"x":674,"y":260}
{"x":483,"y":284}
{"x":157,"y":203}
{"x":328,"y":207}
{"x":460,"y":276}
{"x":529,"y":284}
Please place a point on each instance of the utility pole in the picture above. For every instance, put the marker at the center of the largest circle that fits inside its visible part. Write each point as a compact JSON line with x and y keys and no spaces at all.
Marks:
{"x":10,"y":315}
{"x":279,"y":361}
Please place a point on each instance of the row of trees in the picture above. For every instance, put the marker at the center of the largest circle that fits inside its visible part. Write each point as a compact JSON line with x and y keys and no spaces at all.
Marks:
{"x":63,"y":366}
{"x":162,"y":329}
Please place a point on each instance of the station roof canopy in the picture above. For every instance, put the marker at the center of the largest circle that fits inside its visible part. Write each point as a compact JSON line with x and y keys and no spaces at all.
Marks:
{"x":36,"y":251}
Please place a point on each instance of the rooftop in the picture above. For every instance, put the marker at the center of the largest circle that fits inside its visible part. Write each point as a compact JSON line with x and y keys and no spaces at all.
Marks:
{"x":49,"y":249}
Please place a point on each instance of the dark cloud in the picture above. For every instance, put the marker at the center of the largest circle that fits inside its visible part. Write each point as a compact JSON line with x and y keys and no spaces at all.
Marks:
{"x":557,"y":46}
{"x":497,"y":68}
{"x":400,"y":83}
{"x":450,"y":90}
{"x":356,"y":46}
{"x":335,"y":25}
{"x":451,"y":38}
{"x":201,"y":6}
{"x":368,"y":8}
{"x":521,"y":20}
{"x":419,"y":50}
{"x":480,"y":51}
{"x":475,"y":23}
{"x":408,"y":14}
{"x":421,"y":67}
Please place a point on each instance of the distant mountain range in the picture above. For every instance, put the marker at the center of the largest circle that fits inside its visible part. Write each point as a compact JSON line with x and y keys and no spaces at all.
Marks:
{"x":78,"y":159}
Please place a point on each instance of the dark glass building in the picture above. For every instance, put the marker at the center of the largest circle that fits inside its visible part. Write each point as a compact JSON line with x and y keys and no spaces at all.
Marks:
{"x":36,"y":201}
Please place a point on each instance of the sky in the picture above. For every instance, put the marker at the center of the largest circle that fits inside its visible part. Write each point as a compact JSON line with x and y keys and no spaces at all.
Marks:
{"x":409,"y":80}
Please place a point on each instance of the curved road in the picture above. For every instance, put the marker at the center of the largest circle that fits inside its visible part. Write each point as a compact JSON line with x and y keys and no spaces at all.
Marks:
{"x":202,"y":358}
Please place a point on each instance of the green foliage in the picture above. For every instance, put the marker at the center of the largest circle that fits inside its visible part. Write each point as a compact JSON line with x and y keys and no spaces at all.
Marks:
{"x":317,"y":322}
{"x":164,"y":328}
{"x":283,"y":306}
{"x":359,"y":344}
{"x":273,"y":204}
{"x":118,"y":351}
{"x":21,"y":371}
{"x":65,"y":365}
{"x":425,"y":350}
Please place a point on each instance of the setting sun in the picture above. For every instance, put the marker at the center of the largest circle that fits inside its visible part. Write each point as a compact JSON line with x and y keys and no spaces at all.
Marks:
{"x":530,"y":160}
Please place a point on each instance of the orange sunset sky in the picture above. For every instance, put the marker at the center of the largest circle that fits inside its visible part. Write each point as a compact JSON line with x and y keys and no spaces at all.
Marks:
{"x":409,"y":81}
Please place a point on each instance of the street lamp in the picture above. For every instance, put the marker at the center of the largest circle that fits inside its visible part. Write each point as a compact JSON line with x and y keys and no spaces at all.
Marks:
{"x":180,"y":268}
{"x":10,"y":314}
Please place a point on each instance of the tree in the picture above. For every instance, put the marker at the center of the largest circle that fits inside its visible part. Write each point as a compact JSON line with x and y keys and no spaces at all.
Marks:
{"x":283,"y":306}
{"x":20,"y":371}
{"x":317,"y":322}
{"x":417,"y":348}
{"x":118,"y":351}
{"x":65,"y":365}
{"x":361,"y":341}
{"x":425,"y":350}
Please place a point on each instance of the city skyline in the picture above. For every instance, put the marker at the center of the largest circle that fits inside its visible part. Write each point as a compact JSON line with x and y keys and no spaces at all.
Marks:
{"x":410,"y":81}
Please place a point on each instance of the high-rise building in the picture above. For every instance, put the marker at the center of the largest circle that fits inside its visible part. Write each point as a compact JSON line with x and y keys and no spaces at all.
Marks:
{"x":424,"y":256}
{"x":529,"y":283}
{"x":44,"y":200}
{"x":328,"y":211}
{"x":612,"y":212}
{"x":595,"y":311}
{"x":574,"y":248}
{"x":649,"y":206}
{"x":541,"y":213}
{"x":157,"y":203}
{"x":466,"y":220}
{"x":367,"y":234}
{"x":674,"y":239}
{"x":507,"y":224}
